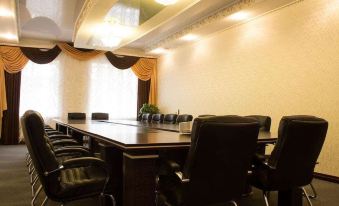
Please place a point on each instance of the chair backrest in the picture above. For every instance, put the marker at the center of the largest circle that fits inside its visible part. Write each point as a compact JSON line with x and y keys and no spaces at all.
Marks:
{"x":300,"y":139}
{"x":264,"y":121}
{"x":184,"y":118}
{"x":219,"y":158}
{"x":157,"y":118}
{"x":76,"y":116}
{"x":100,"y":116}
{"x":146,"y":117}
{"x":170,"y":118}
{"x":42,"y":154}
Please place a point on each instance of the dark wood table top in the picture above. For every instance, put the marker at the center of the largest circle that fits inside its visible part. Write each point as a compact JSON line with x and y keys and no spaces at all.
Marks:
{"x":128,"y":134}
{"x":160,"y":126}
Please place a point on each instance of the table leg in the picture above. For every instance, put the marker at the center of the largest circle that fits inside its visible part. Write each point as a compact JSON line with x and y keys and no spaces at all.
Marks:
{"x":113,"y":159}
{"x":139,"y":172}
{"x":292,"y":197}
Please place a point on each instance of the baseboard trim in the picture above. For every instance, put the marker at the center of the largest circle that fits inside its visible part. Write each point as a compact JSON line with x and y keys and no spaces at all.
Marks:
{"x":325,"y":177}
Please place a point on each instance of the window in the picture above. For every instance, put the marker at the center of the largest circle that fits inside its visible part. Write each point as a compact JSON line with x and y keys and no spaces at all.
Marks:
{"x":112,"y":90}
{"x":40,"y":89}
{"x":68,"y":85}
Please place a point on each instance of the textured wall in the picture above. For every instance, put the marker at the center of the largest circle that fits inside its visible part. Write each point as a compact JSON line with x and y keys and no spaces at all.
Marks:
{"x":284,"y":63}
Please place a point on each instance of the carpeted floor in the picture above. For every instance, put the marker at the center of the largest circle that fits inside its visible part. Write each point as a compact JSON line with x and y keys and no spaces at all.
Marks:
{"x":15,"y":187}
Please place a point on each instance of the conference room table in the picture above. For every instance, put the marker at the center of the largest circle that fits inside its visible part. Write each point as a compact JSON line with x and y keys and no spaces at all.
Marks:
{"x":131,"y":150}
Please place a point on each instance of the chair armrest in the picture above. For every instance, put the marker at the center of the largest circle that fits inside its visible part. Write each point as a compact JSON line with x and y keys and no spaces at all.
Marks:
{"x":80,"y":162}
{"x":53,"y":132}
{"x":182,"y":179}
{"x":83,"y":162}
{"x":168,"y":167}
{"x":64,"y":142}
{"x":59,"y":136}
{"x":261,"y":161}
{"x":67,"y":150}
{"x":268,"y":141}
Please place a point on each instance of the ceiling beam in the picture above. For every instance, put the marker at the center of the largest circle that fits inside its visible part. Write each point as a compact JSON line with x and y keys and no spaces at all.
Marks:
{"x":92,"y":13}
{"x":9,"y":22}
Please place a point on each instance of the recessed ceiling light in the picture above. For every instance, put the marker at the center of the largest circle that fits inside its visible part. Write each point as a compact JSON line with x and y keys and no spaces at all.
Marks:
{"x":189,"y":37}
{"x":238,"y":16}
{"x":4,"y":12}
{"x":159,"y":50}
{"x":166,"y":2}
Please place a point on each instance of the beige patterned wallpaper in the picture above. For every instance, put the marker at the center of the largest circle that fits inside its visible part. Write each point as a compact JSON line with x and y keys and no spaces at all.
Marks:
{"x":284,"y":63}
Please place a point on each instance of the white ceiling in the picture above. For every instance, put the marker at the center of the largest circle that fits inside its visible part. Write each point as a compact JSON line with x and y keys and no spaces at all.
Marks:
{"x":41,"y":23}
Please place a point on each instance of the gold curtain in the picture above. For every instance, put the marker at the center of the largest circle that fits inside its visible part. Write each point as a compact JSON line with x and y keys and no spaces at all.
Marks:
{"x":78,"y":54}
{"x":12,"y":60}
{"x":146,"y":69}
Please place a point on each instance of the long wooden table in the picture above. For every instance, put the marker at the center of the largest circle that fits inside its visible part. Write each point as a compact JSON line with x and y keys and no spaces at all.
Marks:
{"x":131,"y":150}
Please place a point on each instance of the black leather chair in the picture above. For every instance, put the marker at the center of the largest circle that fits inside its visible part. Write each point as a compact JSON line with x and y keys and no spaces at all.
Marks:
{"x":55,"y":135}
{"x":65,"y":181}
{"x":212,"y":174}
{"x":264,"y":121}
{"x":146,"y":117}
{"x":292,"y":161}
{"x":184,"y":118}
{"x":157,"y":118}
{"x":100,"y":116}
{"x":92,"y":144}
{"x":265,"y":125}
{"x":170,"y":118}
{"x":76,"y":116}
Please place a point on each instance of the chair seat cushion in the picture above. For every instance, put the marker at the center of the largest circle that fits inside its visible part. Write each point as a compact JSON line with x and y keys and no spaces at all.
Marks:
{"x":81,"y":180}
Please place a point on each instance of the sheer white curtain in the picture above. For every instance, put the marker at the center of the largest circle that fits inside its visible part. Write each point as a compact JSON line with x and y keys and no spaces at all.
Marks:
{"x":69,"y":85}
{"x":40,"y":89}
{"x":112,"y":90}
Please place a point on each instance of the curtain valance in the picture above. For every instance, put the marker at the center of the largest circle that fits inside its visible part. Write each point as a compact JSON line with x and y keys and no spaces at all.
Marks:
{"x":77,"y":53}
{"x":121,"y":62}
{"x":13,"y":60}
{"x":39,"y":56}
{"x":146,"y":69}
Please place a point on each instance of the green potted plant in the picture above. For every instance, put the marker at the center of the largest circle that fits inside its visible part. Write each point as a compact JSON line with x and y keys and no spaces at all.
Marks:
{"x":148,"y":108}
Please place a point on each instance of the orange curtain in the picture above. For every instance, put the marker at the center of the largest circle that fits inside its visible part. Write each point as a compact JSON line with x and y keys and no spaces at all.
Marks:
{"x":12,"y":60}
{"x":146,"y":69}
{"x":78,"y":54}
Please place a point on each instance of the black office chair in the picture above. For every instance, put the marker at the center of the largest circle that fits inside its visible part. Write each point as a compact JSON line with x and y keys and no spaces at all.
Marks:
{"x":65,"y":181}
{"x":292,"y":161}
{"x":170,"y":118}
{"x":100,"y":116}
{"x":217,"y":164}
{"x":157,"y":118}
{"x":56,"y":140}
{"x":264,"y":121}
{"x":184,"y":118}
{"x":76,"y":116}
{"x":146,"y":117}
{"x":265,"y":125}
